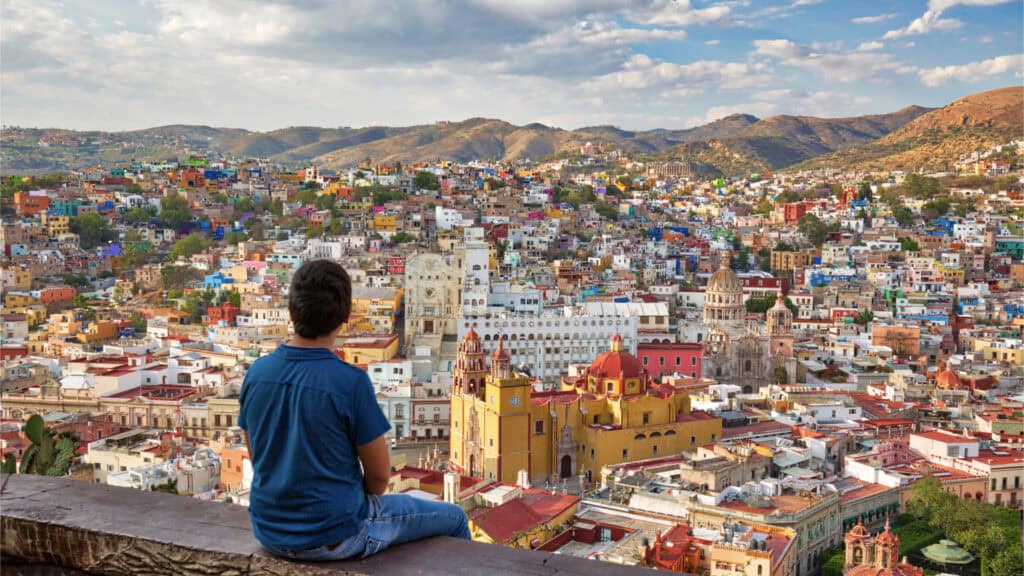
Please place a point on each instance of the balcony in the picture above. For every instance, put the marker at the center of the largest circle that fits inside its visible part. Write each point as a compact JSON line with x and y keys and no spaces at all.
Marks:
{"x":50,"y":525}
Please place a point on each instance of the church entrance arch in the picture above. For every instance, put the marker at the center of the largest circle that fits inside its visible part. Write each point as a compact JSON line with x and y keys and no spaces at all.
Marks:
{"x":566,"y":467}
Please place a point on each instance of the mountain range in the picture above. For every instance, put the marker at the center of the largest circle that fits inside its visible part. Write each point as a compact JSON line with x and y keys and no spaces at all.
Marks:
{"x":735,"y":145}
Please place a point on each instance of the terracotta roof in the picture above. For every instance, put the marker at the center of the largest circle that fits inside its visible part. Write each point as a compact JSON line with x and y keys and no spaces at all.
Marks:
{"x":535,"y":507}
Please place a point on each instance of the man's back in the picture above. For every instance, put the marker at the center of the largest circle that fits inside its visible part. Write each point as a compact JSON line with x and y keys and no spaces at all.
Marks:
{"x":305,"y":412}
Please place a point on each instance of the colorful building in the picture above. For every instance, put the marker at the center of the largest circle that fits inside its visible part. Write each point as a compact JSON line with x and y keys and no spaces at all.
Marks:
{"x":612,"y":412}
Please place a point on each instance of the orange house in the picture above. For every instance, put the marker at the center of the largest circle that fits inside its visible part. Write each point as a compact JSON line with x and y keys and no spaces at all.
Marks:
{"x":31,"y":203}
{"x":904,"y":340}
{"x":59,"y":294}
{"x":232,"y":468}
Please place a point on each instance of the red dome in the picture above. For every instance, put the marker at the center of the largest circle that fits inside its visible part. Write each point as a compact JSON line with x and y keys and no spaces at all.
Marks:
{"x":948,"y":379}
{"x":471,"y":335}
{"x":858,"y":532}
{"x":887,"y":538}
{"x":616,"y":362}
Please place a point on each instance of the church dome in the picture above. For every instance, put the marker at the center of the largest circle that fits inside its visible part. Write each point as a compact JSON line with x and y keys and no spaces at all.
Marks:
{"x":887,"y":538}
{"x":858,"y":532}
{"x":724,"y":280}
{"x":948,"y":380}
{"x":616,"y":362}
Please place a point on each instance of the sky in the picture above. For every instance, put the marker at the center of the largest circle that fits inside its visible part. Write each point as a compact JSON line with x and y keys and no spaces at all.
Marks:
{"x":643,"y":64}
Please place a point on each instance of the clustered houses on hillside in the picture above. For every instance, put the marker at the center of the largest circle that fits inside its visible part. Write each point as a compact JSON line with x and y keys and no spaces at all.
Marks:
{"x":704,"y":375}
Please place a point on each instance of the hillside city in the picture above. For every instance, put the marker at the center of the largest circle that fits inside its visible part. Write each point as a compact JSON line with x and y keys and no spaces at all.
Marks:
{"x":603,"y":353}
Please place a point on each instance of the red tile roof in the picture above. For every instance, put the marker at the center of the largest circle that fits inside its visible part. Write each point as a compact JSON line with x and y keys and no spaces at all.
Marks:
{"x":535,"y":507}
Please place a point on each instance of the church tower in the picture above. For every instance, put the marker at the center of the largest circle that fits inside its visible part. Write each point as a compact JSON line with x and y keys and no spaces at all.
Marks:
{"x":470,"y":371}
{"x":779,"y":326}
{"x":507,"y":419}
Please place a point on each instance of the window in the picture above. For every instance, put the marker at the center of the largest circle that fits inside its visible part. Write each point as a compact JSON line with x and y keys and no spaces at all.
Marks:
{"x":606,"y":535}
{"x":679,"y":360}
{"x":693,"y":440}
{"x":227,"y":417}
{"x":654,"y":450}
{"x":538,"y":427}
{"x":597,"y":420}
{"x":216,"y":420}
{"x":645,"y":360}
{"x":693,"y":360}
{"x":490,"y":442}
{"x":661,"y":361}
{"x":625,"y":454}
{"x":647,"y":418}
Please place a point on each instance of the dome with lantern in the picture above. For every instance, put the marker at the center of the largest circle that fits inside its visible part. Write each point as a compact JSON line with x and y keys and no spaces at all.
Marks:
{"x":614,"y":373}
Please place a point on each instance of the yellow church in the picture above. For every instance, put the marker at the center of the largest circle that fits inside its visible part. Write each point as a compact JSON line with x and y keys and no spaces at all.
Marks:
{"x":612,"y":412}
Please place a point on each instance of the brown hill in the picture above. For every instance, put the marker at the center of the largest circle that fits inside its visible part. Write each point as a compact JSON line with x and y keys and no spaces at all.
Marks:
{"x":937,"y":139}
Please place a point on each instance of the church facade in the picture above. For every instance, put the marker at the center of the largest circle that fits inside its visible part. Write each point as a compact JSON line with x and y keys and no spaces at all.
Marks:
{"x":747,"y":353}
{"x":612,"y":412}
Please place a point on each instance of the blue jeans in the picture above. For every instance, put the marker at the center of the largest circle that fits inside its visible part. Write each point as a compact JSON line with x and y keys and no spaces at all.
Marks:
{"x":392,"y":519}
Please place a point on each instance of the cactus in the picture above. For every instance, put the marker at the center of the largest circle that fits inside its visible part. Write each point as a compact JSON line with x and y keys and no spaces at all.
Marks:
{"x":46,"y":456}
{"x":10,"y":464}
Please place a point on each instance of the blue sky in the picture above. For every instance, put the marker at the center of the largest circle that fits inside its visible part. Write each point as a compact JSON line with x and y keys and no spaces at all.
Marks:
{"x":637,"y":64}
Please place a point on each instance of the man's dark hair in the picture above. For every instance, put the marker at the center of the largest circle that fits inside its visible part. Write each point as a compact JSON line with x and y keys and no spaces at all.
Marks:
{"x":320,"y":298}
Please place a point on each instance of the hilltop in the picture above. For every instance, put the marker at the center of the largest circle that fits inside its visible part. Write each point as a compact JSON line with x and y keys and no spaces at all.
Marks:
{"x":936,"y":139}
{"x":735,"y":145}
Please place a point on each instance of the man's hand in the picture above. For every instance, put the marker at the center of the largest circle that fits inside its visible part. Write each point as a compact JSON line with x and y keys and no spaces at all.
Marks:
{"x":376,"y":465}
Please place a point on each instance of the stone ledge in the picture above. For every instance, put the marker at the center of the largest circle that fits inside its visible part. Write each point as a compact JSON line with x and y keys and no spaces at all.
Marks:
{"x":99,"y":529}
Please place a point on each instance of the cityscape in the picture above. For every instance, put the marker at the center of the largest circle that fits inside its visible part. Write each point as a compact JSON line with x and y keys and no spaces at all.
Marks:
{"x":772,"y":340}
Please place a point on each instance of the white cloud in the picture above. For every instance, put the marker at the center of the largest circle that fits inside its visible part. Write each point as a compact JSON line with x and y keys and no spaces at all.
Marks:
{"x":833,"y":65}
{"x":868,"y":46}
{"x":943,"y":5}
{"x":986,"y":39}
{"x":641,"y":72}
{"x":928,"y":22}
{"x":759,"y":109}
{"x":873,"y":19}
{"x":910,"y":44}
{"x":714,"y":42}
{"x":805,"y":3}
{"x":676,"y":13}
{"x":974,"y":71}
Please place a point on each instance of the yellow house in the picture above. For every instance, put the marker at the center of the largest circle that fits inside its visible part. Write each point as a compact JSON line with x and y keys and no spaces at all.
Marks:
{"x":19,"y":299}
{"x":385,"y":222}
{"x":56,"y":224}
{"x":997,"y":351}
{"x":367,"y":348}
{"x":20,"y":278}
{"x":951,"y":275}
{"x":99,"y":331}
{"x":610,"y":414}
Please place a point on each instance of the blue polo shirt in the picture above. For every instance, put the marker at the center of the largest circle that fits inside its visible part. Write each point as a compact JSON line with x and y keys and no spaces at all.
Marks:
{"x":305,"y":412}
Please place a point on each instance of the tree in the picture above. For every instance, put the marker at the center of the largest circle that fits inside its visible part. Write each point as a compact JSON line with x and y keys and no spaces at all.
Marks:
{"x":93,"y":230}
{"x":918,"y":186}
{"x":741,"y":260}
{"x":229,"y":296}
{"x":314,"y":231}
{"x":306,"y":196}
{"x":864,"y":317}
{"x":864,"y":192}
{"x":178,"y":277}
{"x":813,"y":228}
{"x":76,"y":280}
{"x":401,"y":237}
{"x":232,"y":238}
{"x":904,"y":216}
{"x":171,"y":487}
{"x":139,"y":215}
{"x":139,"y":323}
{"x":780,"y":376}
{"x":935,"y":208}
{"x":189,"y":245}
{"x":79,"y":301}
{"x":909,"y":244}
{"x":175,"y":211}
{"x":426,"y":181}
{"x":607,"y":211}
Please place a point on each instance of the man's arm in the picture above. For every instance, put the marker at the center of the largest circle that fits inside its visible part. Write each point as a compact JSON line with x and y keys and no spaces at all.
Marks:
{"x":376,"y":465}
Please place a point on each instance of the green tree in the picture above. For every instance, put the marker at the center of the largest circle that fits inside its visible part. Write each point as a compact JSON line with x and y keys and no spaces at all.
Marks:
{"x":306,"y":196}
{"x":232,"y":238}
{"x":740,"y":260}
{"x":904,"y":216}
{"x":780,"y":376}
{"x":79,"y":301}
{"x":918,"y":186}
{"x":139,"y":323}
{"x":864,"y":317}
{"x":229,"y":296}
{"x":171,"y":487}
{"x":189,"y":245}
{"x":607,"y":211}
{"x":401,"y":237}
{"x":424,"y":180}
{"x":175,"y":211}
{"x":935,"y":208}
{"x":813,"y":228}
{"x":76,"y":280}
{"x":139,"y":215}
{"x":864,"y":192}
{"x":93,"y":230}
{"x":314,"y":231}
{"x":909,"y":244}
{"x":178,"y":277}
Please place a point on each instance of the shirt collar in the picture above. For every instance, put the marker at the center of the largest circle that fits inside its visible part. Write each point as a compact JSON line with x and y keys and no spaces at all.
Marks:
{"x":302,"y":353}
